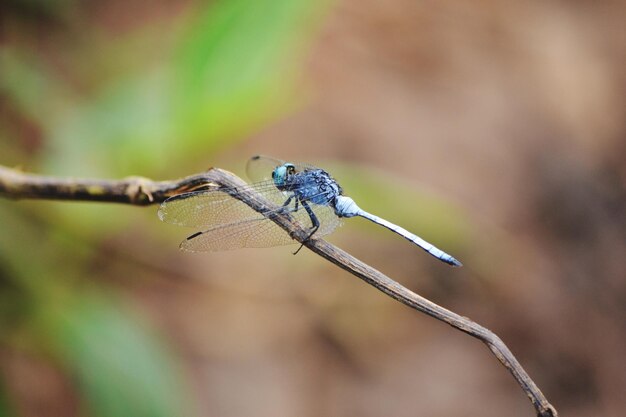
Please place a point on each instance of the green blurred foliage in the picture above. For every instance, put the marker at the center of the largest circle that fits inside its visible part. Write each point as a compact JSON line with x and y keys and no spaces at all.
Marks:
{"x":120,"y":104}
{"x":48,"y":309}
{"x":227,"y":78}
{"x":6,"y":409}
{"x":121,"y":368}
{"x":230,"y":67}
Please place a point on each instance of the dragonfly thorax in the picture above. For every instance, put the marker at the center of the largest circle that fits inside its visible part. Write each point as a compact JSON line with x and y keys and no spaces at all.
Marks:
{"x":309,"y":185}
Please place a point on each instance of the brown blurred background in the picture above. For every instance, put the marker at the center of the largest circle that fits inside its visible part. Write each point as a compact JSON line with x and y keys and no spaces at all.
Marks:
{"x":498,"y":127}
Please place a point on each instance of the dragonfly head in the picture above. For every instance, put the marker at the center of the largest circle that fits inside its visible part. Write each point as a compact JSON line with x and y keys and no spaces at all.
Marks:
{"x":282,"y":174}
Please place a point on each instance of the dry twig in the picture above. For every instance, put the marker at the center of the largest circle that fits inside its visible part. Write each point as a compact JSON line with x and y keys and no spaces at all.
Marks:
{"x":142,"y":191}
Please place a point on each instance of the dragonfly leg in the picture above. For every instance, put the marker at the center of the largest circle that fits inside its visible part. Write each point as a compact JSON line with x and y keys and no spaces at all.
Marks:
{"x":284,"y":207}
{"x":288,"y":201}
{"x":314,"y":220}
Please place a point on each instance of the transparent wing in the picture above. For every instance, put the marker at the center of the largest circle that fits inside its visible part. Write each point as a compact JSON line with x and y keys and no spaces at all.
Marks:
{"x":212,"y":207}
{"x":259,"y":168}
{"x":259,"y":232}
{"x":232,"y":224}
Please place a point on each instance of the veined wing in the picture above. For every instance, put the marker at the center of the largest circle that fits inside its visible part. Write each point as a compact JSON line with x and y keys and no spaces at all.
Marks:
{"x":212,"y":207}
{"x":233,"y":224}
{"x":237,"y":235}
{"x":259,"y":231}
{"x":259,"y":168}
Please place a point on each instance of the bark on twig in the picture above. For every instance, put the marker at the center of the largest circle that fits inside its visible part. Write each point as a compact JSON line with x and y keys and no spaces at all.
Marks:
{"x":142,"y":191}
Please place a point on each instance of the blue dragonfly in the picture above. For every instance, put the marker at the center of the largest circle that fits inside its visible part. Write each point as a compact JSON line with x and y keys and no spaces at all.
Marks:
{"x":308,"y":194}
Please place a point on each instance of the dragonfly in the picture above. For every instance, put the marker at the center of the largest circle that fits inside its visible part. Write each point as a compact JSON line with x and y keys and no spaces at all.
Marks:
{"x":310,"y":195}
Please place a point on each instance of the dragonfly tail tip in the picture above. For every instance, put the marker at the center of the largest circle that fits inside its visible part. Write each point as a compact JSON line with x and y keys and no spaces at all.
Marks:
{"x":453,"y":262}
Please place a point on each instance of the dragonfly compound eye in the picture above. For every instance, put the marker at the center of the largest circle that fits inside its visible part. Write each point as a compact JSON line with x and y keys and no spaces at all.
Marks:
{"x":279,"y":175}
